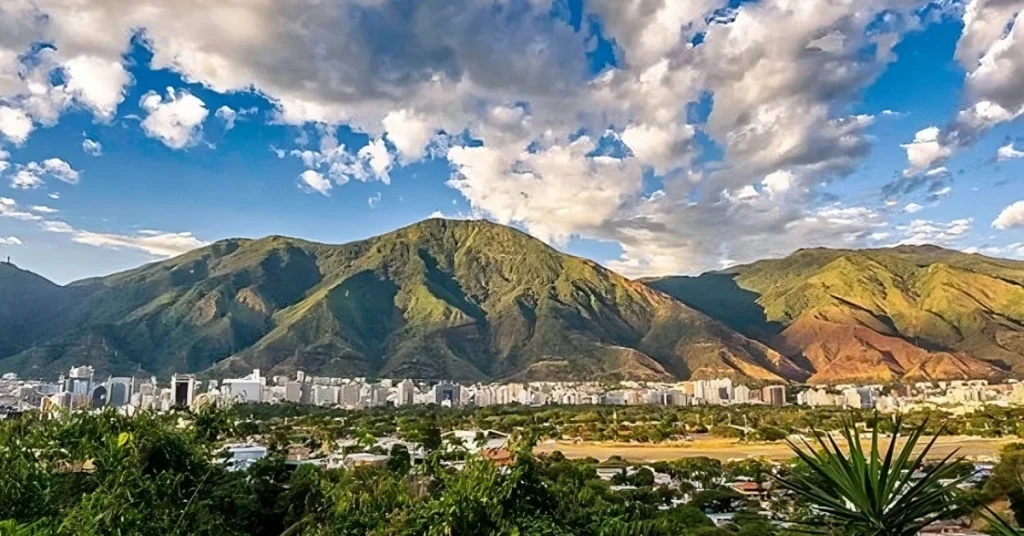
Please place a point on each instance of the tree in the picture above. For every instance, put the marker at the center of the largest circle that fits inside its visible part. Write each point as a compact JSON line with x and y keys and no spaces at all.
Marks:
{"x":399,"y":461}
{"x":717,"y":501}
{"x":874,"y":492}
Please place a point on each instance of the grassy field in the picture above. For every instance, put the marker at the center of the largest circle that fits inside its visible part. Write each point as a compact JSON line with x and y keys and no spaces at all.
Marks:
{"x":730,"y":449}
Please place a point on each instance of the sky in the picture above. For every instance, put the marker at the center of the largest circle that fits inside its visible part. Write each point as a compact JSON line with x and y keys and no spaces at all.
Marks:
{"x":654,"y":136}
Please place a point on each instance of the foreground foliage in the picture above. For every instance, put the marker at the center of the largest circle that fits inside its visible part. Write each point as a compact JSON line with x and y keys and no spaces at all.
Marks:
{"x":160,"y":475}
{"x":874,"y":492}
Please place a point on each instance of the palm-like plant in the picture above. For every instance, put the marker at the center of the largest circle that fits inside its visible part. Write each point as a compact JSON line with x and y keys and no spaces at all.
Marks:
{"x":875,"y":493}
{"x":998,"y":525}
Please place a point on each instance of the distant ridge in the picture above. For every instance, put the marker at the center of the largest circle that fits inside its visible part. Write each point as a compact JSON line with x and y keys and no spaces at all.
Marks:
{"x":473,"y":300}
{"x":467,"y":300}
{"x":898,"y":314}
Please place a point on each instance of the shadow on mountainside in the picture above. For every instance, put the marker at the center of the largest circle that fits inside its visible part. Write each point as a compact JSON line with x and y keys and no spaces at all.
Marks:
{"x":718,"y":296}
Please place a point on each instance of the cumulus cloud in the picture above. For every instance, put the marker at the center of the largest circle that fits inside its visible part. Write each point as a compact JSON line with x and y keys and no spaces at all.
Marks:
{"x":15,"y":125}
{"x":30,"y":176}
{"x":926,"y":150}
{"x":58,"y":169}
{"x":919,"y":232}
{"x":374,"y":200}
{"x":991,"y":50}
{"x":1008,"y":152}
{"x":505,"y":92}
{"x":92,"y":147}
{"x":912,"y":208}
{"x":314,"y":181}
{"x":26,"y":179}
{"x":43,"y":209}
{"x":227,"y":115}
{"x":333,"y":161}
{"x":409,"y":132}
{"x":175,"y":120}
{"x":1011,"y":217}
{"x":10,"y":241}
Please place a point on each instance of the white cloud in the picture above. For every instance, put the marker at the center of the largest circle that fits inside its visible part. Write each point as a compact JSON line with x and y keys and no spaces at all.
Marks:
{"x":377,"y":157}
{"x":43,"y":209}
{"x":228,"y":116}
{"x":155,"y":243}
{"x":662,"y":147}
{"x":9,"y":209}
{"x":30,"y":176}
{"x":175,"y":120}
{"x":942,"y":192}
{"x":59,"y":169}
{"x":1011,"y":217}
{"x":314,"y":181}
{"x":1008,"y":152}
{"x":56,"y":226}
{"x":10,"y":241}
{"x":925,"y":151}
{"x":26,"y":179}
{"x":374,"y":200}
{"x":158,"y":245}
{"x":912,"y":208}
{"x":410,"y":132}
{"x":555,"y":193}
{"x":15,"y":125}
{"x":919,"y":232}
{"x":92,"y":147}
{"x":97,"y":82}
{"x":779,"y":77}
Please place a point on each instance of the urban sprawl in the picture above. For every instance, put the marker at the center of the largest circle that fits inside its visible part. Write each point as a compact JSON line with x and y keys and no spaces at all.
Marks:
{"x":81,"y":389}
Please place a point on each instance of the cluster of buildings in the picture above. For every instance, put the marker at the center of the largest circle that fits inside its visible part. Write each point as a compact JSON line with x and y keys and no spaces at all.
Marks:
{"x":956,"y":397}
{"x":82,"y":389}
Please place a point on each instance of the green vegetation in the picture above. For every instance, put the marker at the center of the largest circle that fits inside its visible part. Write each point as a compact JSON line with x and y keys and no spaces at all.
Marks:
{"x":907,"y":313}
{"x":472,"y":300}
{"x":465,"y":300}
{"x":878,"y":491}
{"x":93,"y":474}
{"x":641,"y":424}
{"x":105,"y":473}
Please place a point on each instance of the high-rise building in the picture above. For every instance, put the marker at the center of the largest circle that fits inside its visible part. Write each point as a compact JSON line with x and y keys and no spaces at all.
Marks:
{"x":79,"y":381}
{"x":293,"y":392}
{"x":247,"y":389}
{"x":741,"y":394}
{"x":183,"y":390}
{"x":447,"y":394}
{"x":774,"y":395}
{"x":98,"y":397}
{"x":119,"y":391}
{"x":406,"y":393}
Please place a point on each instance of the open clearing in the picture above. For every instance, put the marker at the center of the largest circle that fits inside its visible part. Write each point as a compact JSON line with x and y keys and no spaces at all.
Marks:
{"x":729,"y":449}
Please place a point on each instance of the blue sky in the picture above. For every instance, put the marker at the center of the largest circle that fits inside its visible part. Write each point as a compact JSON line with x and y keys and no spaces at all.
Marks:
{"x":665,"y":140}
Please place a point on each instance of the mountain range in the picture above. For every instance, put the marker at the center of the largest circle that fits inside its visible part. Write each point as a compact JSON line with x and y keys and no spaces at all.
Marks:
{"x":473,"y":300}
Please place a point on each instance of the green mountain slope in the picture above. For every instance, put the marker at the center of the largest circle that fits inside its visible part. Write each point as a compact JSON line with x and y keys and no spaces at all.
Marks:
{"x":438,"y":299}
{"x":27,"y":301}
{"x":873,"y":315}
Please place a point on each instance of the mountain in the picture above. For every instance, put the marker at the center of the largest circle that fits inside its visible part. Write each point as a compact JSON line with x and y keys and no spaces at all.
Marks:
{"x":904,"y":313}
{"x":465,"y":300}
{"x":27,"y":301}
